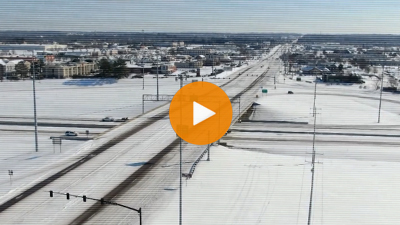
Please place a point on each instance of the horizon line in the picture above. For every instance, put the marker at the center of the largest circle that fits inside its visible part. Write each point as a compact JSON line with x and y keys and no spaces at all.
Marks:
{"x":198,"y":32}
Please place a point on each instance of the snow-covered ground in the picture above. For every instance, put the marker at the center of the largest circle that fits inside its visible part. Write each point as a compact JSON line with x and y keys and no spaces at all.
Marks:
{"x":264,"y":176}
{"x":71,"y":100}
{"x":256,"y":187}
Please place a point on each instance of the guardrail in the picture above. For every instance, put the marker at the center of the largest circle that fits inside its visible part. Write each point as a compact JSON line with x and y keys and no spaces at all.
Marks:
{"x":191,"y":171}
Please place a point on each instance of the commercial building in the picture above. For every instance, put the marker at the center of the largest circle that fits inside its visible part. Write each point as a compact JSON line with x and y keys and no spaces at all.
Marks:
{"x":164,"y":69}
{"x":189,"y":64}
{"x":2,"y":69}
{"x":33,"y":47}
{"x":194,"y":51}
{"x":68,"y":70}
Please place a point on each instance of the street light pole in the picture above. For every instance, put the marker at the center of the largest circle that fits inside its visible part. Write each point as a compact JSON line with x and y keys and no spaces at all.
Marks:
{"x":180,"y":167}
{"x":143,"y":72}
{"x":157,"y":81}
{"x":180,"y":172}
{"x":313,"y":155}
{"x":380,"y":98}
{"x":34,"y":105}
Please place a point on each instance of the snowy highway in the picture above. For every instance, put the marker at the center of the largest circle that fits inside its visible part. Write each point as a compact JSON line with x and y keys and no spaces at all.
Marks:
{"x":96,"y":173}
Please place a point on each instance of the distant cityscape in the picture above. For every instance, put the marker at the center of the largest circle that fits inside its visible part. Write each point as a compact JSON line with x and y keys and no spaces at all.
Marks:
{"x":336,"y":58}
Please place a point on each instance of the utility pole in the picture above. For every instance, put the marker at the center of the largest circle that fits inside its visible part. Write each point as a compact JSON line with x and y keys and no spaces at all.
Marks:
{"x":180,"y":167}
{"x":157,"y":79}
{"x":313,"y":155}
{"x":208,"y":147}
{"x":180,"y":181}
{"x":212,"y":65}
{"x":142,"y":58}
{"x":143,"y":72}
{"x":239,"y":108}
{"x":34,"y":105}
{"x":380,"y":98}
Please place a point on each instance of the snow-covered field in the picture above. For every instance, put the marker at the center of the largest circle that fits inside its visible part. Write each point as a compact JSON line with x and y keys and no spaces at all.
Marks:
{"x":264,"y":176}
{"x":88,"y":99}
{"x":63,"y":101}
{"x":256,"y":187}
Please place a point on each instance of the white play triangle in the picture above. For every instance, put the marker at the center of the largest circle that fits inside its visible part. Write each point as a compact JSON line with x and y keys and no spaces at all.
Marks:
{"x":200,"y":113}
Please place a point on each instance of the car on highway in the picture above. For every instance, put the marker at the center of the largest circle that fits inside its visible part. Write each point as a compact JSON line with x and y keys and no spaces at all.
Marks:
{"x":123,"y":119}
{"x":290,"y":92}
{"x":107,"y":119}
{"x":71,"y":133}
{"x":137,"y":76}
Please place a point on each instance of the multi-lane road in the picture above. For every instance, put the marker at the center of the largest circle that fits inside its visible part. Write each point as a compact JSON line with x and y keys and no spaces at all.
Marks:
{"x":134,"y":164}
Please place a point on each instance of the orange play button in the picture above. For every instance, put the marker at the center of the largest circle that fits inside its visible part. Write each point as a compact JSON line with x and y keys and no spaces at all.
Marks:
{"x":200,"y":113}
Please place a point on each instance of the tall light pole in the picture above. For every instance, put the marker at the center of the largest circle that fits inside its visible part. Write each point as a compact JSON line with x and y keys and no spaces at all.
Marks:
{"x":380,"y":98}
{"x":34,"y":105}
{"x":142,"y":57}
{"x":143,"y":72}
{"x":157,"y":79}
{"x":383,"y":71}
{"x":313,"y":155}
{"x":180,"y":167}
{"x":180,"y":181}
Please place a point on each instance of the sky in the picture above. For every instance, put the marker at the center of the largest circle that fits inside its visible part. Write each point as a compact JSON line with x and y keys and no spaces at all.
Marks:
{"x":307,"y":16}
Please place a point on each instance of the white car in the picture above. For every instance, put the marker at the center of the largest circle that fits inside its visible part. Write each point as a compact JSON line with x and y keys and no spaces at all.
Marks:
{"x":108,"y":119}
{"x":71,"y":133}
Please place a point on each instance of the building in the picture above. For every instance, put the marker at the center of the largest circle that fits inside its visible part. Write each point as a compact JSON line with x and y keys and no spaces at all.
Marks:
{"x":68,"y":70}
{"x":2,"y":69}
{"x":165,"y":44}
{"x":189,"y":64}
{"x":33,"y":47}
{"x":164,"y":69}
{"x":194,"y":51}
{"x":10,"y":68}
{"x":45,"y":56}
{"x":200,"y":58}
{"x":110,"y":52}
{"x":28,"y":58}
{"x":139,"y":69}
{"x":314,"y":70}
{"x":212,"y":62}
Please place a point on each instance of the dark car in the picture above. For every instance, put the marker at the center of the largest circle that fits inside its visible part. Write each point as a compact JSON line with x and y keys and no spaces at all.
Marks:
{"x":290,"y":92}
{"x":136,"y":76}
{"x":123,"y":119}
